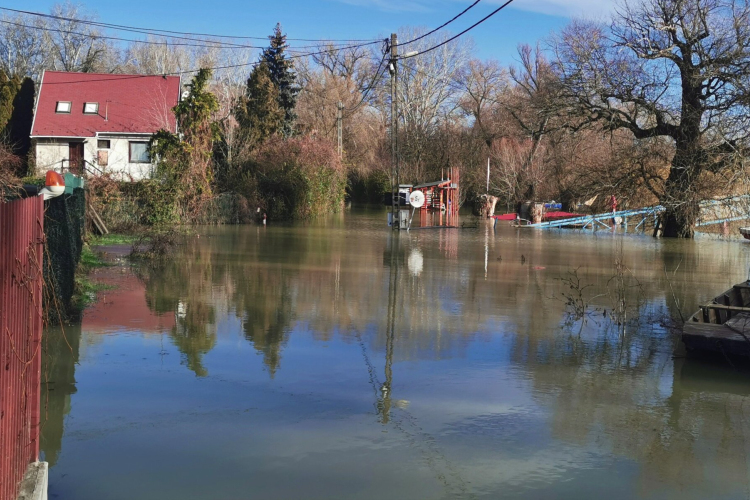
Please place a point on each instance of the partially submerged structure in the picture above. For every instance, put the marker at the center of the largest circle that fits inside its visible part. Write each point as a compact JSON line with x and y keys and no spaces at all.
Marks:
{"x":101,"y":122}
{"x":432,"y":204}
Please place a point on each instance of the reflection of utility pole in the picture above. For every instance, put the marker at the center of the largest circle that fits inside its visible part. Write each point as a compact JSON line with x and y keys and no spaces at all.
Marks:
{"x":339,"y":131}
{"x":384,"y":405}
{"x":393,"y":70}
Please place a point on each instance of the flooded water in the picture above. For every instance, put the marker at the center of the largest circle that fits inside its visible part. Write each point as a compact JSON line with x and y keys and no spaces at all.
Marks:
{"x":341,"y":360}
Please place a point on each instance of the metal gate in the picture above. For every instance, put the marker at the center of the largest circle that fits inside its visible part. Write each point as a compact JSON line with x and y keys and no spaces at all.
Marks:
{"x":21,"y":278}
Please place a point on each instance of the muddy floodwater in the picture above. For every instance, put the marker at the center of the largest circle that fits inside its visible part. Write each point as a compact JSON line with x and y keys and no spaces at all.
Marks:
{"x":338,"y":360}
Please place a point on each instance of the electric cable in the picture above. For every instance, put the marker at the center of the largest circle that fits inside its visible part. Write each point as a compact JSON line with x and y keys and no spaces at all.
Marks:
{"x":143,"y":42}
{"x":189,"y":71}
{"x":461,"y":33}
{"x":442,"y":25}
{"x":157,"y":31}
{"x":170,"y":40}
{"x":366,"y":91}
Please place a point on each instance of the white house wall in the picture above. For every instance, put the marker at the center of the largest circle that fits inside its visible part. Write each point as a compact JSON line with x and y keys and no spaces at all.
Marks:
{"x":50,"y":154}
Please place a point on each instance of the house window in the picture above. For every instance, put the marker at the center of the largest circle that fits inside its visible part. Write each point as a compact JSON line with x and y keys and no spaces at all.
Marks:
{"x":102,"y":144}
{"x":62,"y":107}
{"x":90,"y":108}
{"x":139,"y":152}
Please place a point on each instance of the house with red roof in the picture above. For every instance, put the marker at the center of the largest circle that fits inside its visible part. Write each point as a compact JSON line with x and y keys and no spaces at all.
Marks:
{"x":101,"y":122}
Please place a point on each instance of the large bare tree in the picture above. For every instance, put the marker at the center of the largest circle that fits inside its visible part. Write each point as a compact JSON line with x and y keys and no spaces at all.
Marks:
{"x":23,"y":51}
{"x":674,"y":69}
{"x":76,"y":45}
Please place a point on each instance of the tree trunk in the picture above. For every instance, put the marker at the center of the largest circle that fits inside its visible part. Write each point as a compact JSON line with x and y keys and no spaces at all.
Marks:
{"x":674,"y":225}
{"x":680,"y":197}
{"x":681,"y":206}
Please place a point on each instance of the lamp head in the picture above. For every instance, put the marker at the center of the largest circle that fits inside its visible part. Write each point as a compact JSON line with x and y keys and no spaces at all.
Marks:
{"x":54,"y":185}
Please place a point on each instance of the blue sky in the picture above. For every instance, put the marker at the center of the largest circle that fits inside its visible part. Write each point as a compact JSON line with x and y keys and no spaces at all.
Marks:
{"x":524,"y":21}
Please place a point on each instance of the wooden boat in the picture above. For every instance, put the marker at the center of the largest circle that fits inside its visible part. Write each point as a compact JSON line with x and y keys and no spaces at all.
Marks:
{"x":722,"y":325}
{"x":745,"y":231}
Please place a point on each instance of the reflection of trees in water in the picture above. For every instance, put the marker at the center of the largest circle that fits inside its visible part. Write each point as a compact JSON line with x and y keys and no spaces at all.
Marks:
{"x":184,"y":286}
{"x":59,"y":359}
{"x":599,"y":385}
{"x":335,"y":280}
{"x":266,"y":307}
{"x":682,"y":437}
{"x":626,"y":392}
{"x":194,"y":334}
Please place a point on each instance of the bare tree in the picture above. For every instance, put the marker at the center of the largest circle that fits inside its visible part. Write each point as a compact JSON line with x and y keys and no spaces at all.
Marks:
{"x":677,"y":69}
{"x":158,"y":57}
{"x":483,"y":85}
{"x":354,"y":64}
{"x":24,"y":51}
{"x":76,"y":45}
{"x":427,"y":92}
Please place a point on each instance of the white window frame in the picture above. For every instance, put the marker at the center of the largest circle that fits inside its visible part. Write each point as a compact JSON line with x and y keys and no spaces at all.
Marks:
{"x":63,"y":111}
{"x":91,"y":112}
{"x":130,"y":152}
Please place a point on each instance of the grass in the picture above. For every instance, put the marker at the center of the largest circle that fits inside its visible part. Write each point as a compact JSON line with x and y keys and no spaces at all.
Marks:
{"x":87,"y":289}
{"x":112,"y":239}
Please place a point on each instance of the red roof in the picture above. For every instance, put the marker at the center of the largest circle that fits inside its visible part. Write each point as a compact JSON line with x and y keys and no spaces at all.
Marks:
{"x":138,"y":104}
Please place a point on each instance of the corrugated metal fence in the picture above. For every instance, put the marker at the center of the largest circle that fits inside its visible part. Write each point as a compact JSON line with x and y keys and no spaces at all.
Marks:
{"x":21,"y":248}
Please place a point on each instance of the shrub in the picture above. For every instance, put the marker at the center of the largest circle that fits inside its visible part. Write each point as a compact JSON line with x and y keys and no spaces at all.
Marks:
{"x":299,"y":178}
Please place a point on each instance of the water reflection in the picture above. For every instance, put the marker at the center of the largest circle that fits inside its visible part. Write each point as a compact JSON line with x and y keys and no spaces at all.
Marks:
{"x":60,"y":355}
{"x":453,"y":344}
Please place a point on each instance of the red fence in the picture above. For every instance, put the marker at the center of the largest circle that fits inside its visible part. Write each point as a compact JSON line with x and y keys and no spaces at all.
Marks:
{"x":21,"y":278}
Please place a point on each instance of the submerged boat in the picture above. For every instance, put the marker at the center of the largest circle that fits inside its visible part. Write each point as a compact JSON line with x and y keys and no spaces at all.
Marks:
{"x":722,"y":325}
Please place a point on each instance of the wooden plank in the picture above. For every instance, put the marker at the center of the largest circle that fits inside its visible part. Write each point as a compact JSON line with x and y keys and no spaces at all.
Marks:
{"x":735,"y":297}
{"x":740,"y":323}
{"x":715,"y":338}
{"x":722,"y":307}
{"x":707,"y":330}
{"x":98,"y":221}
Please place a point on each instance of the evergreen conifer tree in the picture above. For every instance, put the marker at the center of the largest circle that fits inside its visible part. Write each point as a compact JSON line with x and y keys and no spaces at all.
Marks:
{"x":18,"y":128}
{"x":8,"y":90}
{"x":260,"y":113}
{"x":281,"y":71}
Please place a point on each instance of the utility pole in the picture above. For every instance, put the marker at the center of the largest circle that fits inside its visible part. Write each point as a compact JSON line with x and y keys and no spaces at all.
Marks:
{"x":393,"y":69}
{"x":339,"y":129}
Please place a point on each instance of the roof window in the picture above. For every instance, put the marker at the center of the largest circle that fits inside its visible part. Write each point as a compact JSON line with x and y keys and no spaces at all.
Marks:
{"x":62,"y":107}
{"x":90,"y":108}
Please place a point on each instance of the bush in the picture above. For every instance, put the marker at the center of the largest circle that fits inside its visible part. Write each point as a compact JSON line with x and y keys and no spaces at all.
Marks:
{"x":299,"y":178}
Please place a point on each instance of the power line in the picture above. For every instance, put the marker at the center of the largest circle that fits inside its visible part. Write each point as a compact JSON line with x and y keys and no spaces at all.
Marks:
{"x":156,"y":31}
{"x":443,"y":25}
{"x":378,"y":74}
{"x":194,"y":70}
{"x":206,"y":44}
{"x":145,"y":42}
{"x":461,"y":33}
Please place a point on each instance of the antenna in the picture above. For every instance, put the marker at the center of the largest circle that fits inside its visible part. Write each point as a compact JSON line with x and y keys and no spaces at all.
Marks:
{"x":416,"y":199}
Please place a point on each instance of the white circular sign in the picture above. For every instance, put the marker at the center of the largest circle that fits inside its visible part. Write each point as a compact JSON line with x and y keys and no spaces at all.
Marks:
{"x":416,"y":199}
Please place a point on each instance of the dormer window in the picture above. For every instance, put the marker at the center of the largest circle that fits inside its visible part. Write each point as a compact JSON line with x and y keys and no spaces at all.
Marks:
{"x":62,"y":107}
{"x":90,"y":108}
